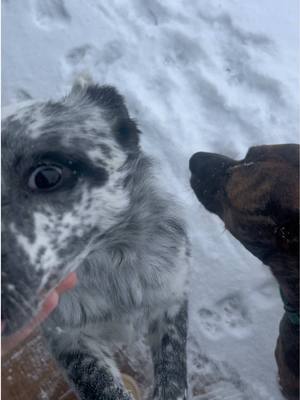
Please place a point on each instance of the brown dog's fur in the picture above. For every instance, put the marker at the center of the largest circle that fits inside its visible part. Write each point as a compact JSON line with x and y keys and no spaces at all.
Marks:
{"x":258,"y":200}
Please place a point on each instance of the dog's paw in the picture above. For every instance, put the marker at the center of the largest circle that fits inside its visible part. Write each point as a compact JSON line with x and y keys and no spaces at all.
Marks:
{"x":170,"y":392}
{"x":170,"y":397}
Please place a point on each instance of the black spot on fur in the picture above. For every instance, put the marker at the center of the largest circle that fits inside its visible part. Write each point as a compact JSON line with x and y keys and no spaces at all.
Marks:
{"x":127,"y":133}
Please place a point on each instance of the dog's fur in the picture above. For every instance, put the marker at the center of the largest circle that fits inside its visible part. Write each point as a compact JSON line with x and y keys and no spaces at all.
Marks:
{"x":258,"y":200}
{"x":105,"y":218}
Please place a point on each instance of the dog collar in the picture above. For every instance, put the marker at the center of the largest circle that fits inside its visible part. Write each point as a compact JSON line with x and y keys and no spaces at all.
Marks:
{"x":293,"y":315}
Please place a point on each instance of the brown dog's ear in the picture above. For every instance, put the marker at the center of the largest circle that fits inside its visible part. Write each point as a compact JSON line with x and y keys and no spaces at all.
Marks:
{"x":287,"y":234}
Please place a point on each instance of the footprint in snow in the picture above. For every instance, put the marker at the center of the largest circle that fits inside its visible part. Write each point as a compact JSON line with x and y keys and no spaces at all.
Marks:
{"x":182,"y":50}
{"x":234,"y":315}
{"x":49,"y":14}
{"x":229,"y":316}
{"x":211,"y":324}
{"x":85,"y":57}
{"x":218,"y":380}
{"x":266,"y":295}
{"x":110,"y":53}
{"x":79,"y":54}
{"x":152,"y":12}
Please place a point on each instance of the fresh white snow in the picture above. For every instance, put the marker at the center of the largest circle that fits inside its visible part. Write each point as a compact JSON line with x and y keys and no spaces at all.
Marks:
{"x":205,"y":75}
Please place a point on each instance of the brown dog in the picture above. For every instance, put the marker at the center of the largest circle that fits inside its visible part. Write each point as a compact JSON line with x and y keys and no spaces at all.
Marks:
{"x":258,"y":200}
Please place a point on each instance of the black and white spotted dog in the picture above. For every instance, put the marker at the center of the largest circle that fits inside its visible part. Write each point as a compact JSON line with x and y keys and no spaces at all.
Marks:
{"x":78,"y":193}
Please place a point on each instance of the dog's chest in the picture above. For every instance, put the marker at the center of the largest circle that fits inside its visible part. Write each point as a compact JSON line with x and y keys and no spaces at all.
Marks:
{"x":124,"y":294}
{"x":131,"y":288}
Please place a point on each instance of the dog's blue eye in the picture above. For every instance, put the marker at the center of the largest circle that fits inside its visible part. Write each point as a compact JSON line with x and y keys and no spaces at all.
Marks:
{"x":45,"y":177}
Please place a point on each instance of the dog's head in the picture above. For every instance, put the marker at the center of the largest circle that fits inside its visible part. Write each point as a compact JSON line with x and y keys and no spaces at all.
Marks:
{"x":257,"y":197}
{"x":63,"y":170}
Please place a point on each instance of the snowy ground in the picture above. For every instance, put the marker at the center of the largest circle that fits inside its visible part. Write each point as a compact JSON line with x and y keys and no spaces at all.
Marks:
{"x":198,"y":75}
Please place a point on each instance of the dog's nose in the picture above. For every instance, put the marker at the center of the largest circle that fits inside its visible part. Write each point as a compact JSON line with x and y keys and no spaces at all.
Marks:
{"x":203,"y":164}
{"x":209,"y":177}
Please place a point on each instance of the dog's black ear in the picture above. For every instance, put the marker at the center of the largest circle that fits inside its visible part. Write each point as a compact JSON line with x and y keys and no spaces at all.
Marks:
{"x":127,"y":133}
{"x":108,"y":98}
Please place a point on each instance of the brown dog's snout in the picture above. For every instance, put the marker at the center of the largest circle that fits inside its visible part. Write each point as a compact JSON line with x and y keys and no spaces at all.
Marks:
{"x":201,"y":163}
{"x":208,"y":178}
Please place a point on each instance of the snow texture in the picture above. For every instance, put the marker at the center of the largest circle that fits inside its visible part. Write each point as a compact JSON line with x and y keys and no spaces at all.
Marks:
{"x":216,"y":76}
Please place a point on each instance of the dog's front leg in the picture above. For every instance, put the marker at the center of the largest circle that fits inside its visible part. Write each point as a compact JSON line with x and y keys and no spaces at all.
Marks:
{"x":168,"y":345}
{"x":90,"y":369}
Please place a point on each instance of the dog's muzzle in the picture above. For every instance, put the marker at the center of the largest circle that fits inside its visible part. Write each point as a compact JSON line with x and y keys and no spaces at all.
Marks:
{"x":208,"y":177}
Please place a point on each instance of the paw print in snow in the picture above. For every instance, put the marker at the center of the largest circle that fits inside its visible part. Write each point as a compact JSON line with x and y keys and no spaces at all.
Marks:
{"x":49,"y":14}
{"x":88,"y":58}
{"x":234,"y":314}
{"x":229,"y":316}
{"x":210,"y":322}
